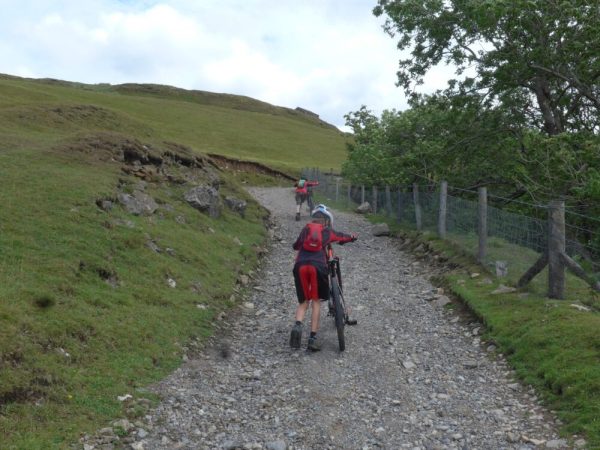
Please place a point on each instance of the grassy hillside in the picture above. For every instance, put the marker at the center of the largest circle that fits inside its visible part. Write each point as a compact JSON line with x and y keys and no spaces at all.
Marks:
{"x":235,"y":126}
{"x":96,"y":303}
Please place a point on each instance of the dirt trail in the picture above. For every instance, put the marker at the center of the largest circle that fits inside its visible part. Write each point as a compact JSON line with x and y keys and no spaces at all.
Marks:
{"x":413,"y":375}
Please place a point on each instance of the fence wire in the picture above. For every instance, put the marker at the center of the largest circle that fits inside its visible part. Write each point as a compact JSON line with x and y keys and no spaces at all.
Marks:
{"x":515,"y":240}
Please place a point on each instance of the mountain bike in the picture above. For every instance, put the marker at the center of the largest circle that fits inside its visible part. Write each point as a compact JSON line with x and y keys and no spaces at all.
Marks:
{"x":337,"y":304}
{"x":309,"y":199}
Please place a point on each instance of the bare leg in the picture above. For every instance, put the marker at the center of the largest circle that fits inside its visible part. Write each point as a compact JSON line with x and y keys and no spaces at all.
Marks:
{"x":301,"y":310}
{"x":316,"y":314}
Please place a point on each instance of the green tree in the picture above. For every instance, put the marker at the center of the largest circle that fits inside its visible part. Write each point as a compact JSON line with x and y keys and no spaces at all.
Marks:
{"x":456,"y":139}
{"x":540,"y":56}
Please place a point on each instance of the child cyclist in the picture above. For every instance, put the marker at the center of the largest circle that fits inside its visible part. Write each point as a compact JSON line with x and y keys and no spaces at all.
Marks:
{"x":311,"y":271}
{"x":302,"y":193}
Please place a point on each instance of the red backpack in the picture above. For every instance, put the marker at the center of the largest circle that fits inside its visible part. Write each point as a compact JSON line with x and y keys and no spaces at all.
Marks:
{"x":313,"y":242}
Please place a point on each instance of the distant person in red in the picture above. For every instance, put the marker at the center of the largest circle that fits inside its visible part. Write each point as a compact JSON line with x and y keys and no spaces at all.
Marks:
{"x":303,"y":194}
{"x":311,"y":273}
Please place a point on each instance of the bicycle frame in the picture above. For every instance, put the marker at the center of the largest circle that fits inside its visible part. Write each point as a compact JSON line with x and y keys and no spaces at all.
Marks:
{"x":309,"y":199}
{"x":334,"y":265}
{"x":337,"y":307}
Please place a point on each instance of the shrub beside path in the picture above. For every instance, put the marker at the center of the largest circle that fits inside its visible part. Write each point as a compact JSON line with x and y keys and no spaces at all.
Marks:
{"x":414,"y":375}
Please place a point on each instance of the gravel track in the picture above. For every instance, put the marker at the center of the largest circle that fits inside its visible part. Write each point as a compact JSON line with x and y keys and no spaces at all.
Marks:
{"x":414,"y":375}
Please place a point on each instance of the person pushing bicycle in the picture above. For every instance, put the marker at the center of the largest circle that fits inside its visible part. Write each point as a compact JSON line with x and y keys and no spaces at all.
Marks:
{"x":311,"y":271}
{"x":303,"y":194}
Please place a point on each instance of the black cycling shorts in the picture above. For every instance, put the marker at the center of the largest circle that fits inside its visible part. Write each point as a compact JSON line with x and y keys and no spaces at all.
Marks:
{"x":300,"y":198}
{"x":322,"y":283}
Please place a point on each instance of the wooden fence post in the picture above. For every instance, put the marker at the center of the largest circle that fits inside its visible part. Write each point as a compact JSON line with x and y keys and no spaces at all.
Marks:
{"x":556,"y":247}
{"x":349,"y":198}
{"x":443,"y":209}
{"x":374,"y":198}
{"x":482,"y":230}
{"x":400,"y":206}
{"x":388,"y":201}
{"x":362,"y":194}
{"x":337,"y":189}
{"x":417,"y":206}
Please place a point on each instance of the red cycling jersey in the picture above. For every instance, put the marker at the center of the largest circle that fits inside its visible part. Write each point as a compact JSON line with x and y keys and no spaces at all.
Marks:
{"x":304,"y":188}
{"x":329,"y":235}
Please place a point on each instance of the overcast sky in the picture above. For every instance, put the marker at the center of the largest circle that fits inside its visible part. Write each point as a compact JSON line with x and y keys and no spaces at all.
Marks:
{"x":328,"y":56}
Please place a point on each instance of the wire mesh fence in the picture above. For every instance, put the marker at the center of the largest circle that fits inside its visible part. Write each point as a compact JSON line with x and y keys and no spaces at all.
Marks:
{"x":514,"y":241}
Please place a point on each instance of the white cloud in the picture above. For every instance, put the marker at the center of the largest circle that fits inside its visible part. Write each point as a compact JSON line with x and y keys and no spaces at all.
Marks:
{"x":328,"y":56}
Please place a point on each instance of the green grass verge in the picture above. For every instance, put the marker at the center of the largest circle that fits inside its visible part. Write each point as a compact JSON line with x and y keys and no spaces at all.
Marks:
{"x":553,"y":346}
{"x":86,"y":311}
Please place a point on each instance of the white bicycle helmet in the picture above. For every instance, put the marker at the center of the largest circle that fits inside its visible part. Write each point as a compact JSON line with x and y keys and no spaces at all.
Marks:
{"x":321,"y":212}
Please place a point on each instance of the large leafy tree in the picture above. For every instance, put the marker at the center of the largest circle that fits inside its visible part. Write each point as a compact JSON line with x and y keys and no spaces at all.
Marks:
{"x":538,"y":60}
{"x":542,"y":57}
{"x":456,"y":139}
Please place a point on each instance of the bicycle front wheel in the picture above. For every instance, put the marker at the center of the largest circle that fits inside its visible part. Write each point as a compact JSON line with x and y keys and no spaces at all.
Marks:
{"x":340,"y":319}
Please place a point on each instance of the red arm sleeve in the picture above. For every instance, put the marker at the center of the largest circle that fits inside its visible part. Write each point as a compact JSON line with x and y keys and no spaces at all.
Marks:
{"x":312,"y":183}
{"x":336,"y":236}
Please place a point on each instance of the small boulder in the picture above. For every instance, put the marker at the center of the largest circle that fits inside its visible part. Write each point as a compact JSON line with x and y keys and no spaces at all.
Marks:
{"x":363,"y":208}
{"x":104,"y":205}
{"x":441,"y":301}
{"x":557,"y":443}
{"x":138,"y":204}
{"x":236,"y":205}
{"x":502,"y":289}
{"x":123,"y":424}
{"x":501,"y":268}
{"x":471,"y":364}
{"x":153,"y":246}
{"x":205,"y":199}
{"x":381,"y":229}
{"x":579,"y":307}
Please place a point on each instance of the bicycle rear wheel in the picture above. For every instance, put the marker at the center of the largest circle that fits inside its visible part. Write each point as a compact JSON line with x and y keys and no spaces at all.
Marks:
{"x":309,"y":202}
{"x":340,"y":318}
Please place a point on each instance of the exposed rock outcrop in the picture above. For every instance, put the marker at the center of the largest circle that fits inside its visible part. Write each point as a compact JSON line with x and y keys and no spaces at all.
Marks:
{"x":205,"y":199}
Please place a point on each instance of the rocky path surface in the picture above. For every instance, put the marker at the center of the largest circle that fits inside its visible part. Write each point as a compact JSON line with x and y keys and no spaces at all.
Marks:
{"x":414,"y":375}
